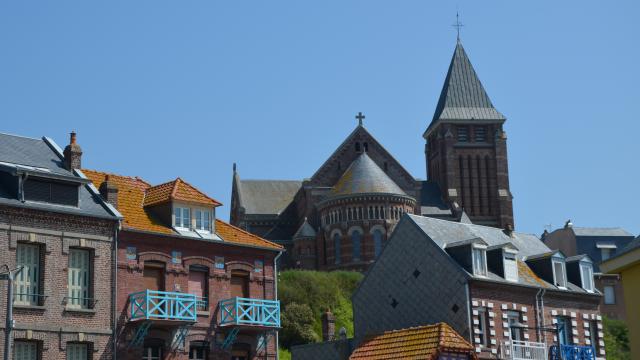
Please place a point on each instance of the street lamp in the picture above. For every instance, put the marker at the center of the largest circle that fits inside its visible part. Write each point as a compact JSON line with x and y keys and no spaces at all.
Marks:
{"x":9,"y":275}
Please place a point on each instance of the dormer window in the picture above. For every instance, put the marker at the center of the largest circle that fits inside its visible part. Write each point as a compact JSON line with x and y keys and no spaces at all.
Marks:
{"x":510,"y":267}
{"x":586,"y":274}
{"x":479,"y":255}
{"x":182,"y":217}
{"x":559,"y":273}
{"x":203,"y":220}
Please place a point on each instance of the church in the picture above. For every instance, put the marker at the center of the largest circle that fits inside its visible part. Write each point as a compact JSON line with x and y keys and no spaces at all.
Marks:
{"x":341,"y":217}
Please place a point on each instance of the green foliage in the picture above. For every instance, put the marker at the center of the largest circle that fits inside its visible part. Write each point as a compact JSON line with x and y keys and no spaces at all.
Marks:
{"x":616,"y":339}
{"x":297,"y":325}
{"x":318,"y":291}
{"x":284,"y":354}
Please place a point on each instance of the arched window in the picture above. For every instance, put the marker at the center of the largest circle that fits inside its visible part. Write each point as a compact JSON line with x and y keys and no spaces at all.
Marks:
{"x":366,"y":146}
{"x":356,"y":243}
{"x":336,"y":246}
{"x":360,"y":213}
{"x":357,"y":147}
{"x":377,"y":242}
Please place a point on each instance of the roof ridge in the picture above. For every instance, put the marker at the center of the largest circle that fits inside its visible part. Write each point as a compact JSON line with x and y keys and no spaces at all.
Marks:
{"x":136,"y":178}
{"x":196,"y":189}
{"x":176,"y":182}
{"x":21,"y":136}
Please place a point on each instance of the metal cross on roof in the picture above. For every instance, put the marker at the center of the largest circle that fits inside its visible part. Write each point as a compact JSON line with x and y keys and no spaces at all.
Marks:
{"x":360,"y":117}
{"x":458,"y":24}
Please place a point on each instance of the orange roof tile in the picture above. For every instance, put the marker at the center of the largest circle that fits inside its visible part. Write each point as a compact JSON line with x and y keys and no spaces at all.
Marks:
{"x":423,"y":342}
{"x":133,"y":194}
{"x":177,"y":189}
{"x":230,"y":233}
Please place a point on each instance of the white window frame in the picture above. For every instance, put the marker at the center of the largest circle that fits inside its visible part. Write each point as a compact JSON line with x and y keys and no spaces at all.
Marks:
{"x":78,"y":279}
{"x":611,"y":299}
{"x":25,"y":350}
{"x":27,"y":283}
{"x":483,"y":330}
{"x":77,"y":351}
{"x":479,"y":261}
{"x":510,"y":264}
{"x":199,"y":215}
{"x":182,"y":210}
{"x":555,"y":275}
{"x":587,"y":279}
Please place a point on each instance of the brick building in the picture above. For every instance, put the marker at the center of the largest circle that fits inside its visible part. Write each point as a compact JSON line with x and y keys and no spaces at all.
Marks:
{"x":600,"y":244}
{"x":506,"y":292}
{"x":356,"y":197}
{"x":189,"y":286}
{"x":55,"y":227}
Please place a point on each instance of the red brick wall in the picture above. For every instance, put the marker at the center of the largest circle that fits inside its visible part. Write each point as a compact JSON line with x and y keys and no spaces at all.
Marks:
{"x":51,"y":324}
{"x":498,"y":299}
{"x":193,"y":252}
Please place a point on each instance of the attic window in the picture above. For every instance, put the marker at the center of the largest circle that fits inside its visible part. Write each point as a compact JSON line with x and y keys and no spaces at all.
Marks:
{"x":357,"y":147}
{"x":479,"y":261}
{"x":586,"y":274}
{"x":182,"y":217}
{"x":365,"y":146}
{"x":51,"y":192}
{"x":510,"y":267}
{"x":559,"y":273}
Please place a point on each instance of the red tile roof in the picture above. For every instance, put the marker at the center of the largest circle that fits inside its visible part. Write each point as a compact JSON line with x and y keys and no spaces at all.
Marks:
{"x":134,"y":194}
{"x":423,"y":342}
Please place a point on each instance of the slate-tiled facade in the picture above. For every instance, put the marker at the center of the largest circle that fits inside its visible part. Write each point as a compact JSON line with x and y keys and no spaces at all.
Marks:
{"x":417,"y":280}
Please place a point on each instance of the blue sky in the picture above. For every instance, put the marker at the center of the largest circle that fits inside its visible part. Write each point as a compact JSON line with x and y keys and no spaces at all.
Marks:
{"x":162,"y":89}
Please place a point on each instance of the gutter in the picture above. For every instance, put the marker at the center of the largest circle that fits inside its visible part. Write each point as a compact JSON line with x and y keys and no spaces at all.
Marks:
{"x":114,"y":299}
{"x":275,"y":282}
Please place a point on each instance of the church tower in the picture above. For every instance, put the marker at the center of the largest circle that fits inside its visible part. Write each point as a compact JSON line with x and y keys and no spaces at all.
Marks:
{"x":466,"y":148}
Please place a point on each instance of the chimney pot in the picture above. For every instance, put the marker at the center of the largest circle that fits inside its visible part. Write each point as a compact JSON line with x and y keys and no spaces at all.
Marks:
{"x":328,"y":326}
{"x":72,"y":154}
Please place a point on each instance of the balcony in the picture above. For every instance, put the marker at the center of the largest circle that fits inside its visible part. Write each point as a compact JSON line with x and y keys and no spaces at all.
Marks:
{"x":251,"y":312}
{"x":162,"y":305}
{"x":571,"y":352}
{"x":523,"y":350}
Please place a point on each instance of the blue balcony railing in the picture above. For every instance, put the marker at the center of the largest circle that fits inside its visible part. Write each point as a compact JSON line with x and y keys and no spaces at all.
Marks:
{"x":162,"y":305}
{"x":571,"y":352}
{"x":256,"y":312}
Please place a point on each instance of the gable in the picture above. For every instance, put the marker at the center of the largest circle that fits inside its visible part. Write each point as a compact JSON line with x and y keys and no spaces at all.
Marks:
{"x":330,"y":172}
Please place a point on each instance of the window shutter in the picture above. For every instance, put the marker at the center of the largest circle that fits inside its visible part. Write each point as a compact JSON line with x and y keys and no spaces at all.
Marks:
{"x":78,"y":280}
{"x":28,"y":280}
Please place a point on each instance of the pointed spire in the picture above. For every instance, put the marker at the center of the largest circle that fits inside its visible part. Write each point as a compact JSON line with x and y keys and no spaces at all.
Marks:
{"x":463,"y":97}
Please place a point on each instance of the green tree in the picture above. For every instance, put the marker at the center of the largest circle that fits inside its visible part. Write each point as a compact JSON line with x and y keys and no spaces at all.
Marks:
{"x":616,"y":340}
{"x":297,"y":325}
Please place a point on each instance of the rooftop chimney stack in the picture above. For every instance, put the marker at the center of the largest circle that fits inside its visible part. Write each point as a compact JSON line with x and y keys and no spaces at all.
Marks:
{"x":72,"y":154}
{"x":109,"y":191}
{"x":328,"y":326}
{"x":508,"y":230}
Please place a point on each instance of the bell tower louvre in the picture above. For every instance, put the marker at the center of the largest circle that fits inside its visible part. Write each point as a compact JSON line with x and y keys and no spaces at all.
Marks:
{"x":466,"y":147}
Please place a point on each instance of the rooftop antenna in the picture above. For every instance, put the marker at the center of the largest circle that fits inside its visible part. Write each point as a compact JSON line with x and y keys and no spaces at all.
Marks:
{"x":458,"y":24}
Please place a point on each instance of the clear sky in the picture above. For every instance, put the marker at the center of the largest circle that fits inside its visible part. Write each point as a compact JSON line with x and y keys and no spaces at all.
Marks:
{"x":162,"y":89}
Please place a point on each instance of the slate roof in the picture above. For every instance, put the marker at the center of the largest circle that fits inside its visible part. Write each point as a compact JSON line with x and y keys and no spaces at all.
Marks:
{"x":364,"y":176}
{"x":305,"y":230}
{"x":43,"y":157}
{"x":463,"y":97}
{"x":131,"y":204}
{"x":423,"y":342}
{"x":587,"y":231}
{"x":177,"y":189}
{"x":444,"y":232}
{"x":431,"y":203}
{"x":270,"y":197}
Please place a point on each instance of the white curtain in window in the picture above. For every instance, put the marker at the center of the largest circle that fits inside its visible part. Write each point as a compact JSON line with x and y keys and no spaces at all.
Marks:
{"x":25,"y":350}
{"x":28,"y":280}
{"x":78,"y":279}
{"x":76,"y":351}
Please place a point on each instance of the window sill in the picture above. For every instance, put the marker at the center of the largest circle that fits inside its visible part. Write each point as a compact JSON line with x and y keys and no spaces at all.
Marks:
{"x":79,"y":310}
{"x":29,"y":307}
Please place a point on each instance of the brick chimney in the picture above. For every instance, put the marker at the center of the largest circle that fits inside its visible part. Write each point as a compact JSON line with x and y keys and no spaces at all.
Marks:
{"x":328,"y":326}
{"x":72,"y":154}
{"x":109,"y":191}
